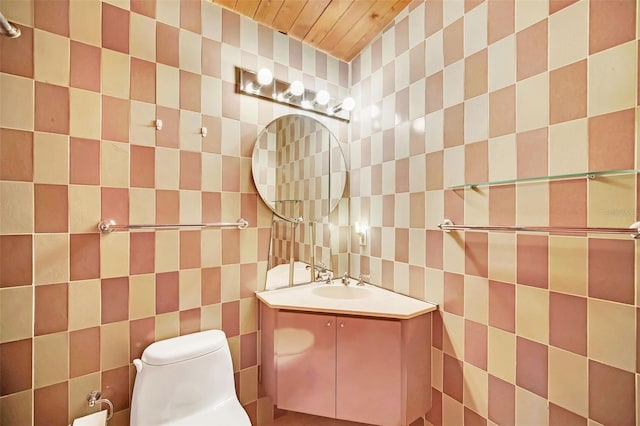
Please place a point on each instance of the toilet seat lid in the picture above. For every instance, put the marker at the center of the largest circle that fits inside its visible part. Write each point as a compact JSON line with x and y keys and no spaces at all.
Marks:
{"x":183,"y":348}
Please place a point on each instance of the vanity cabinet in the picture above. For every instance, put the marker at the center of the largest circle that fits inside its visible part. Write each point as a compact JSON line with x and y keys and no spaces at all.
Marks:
{"x":357,"y":368}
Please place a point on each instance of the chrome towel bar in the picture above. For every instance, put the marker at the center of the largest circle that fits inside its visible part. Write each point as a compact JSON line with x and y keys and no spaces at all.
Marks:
{"x":633,"y":231}
{"x":110,"y":225}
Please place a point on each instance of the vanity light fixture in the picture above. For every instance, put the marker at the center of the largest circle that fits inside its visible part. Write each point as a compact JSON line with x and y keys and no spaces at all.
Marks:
{"x":261,"y":84}
{"x":361,"y":230}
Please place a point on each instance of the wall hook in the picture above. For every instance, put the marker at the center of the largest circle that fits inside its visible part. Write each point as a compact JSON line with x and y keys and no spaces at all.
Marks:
{"x":158,"y":124}
{"x":203,"y":132}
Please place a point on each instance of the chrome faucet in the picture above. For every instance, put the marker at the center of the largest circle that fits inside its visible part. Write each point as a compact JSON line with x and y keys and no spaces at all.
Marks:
{"x":320,"y":272}
{"x":361,"y":279}
{"x":345,"y":279}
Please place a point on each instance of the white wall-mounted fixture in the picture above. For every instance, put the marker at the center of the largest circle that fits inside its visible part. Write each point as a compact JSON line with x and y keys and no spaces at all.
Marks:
{"x":203,"y":132}
{"x":264,"y":86}
{"x":158,"y":124}
{"x":362,"y":231}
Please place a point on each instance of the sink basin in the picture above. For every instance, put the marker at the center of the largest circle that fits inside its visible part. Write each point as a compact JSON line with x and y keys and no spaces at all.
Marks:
{"x":341,"y":292}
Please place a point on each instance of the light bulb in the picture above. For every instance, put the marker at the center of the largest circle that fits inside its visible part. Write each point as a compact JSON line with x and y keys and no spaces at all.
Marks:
{"x":296,"y":88}
{"x":348,"y":103}
{"x":322,"y":97}
{"x":265,"y":76}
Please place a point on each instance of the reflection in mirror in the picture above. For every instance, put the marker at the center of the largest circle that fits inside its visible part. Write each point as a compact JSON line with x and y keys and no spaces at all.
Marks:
{"x":300,"y":173}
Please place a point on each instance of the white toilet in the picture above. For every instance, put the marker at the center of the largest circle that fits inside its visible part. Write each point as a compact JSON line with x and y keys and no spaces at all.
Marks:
{"x":187,"y":380}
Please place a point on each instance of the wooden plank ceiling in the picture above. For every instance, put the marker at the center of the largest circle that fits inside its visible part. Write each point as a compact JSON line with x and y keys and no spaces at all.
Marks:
{"x":342,"y":28}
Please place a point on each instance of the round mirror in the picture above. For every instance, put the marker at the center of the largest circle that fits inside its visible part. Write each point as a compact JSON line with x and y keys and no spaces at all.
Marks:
{"x":299,"y":168}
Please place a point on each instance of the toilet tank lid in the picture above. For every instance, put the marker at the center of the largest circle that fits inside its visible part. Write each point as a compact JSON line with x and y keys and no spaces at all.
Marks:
{"x":185,"y":347}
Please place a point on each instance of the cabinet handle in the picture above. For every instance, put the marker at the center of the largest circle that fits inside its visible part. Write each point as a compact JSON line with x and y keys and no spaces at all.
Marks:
{"x":328,"y":323}
{"x":341,"y":325}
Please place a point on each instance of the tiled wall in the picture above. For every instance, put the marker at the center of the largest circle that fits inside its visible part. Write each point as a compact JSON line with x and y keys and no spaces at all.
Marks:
{"x":80,"y":91}
{"x":532,"y":328}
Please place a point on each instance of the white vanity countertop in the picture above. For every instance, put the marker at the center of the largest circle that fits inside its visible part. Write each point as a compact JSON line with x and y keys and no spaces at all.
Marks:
{"x":367,"y":300}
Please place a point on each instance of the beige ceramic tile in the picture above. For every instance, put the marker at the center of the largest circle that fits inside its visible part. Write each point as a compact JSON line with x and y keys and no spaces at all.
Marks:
{"x":476,"y":299}
{"x":114,"y":255}
{"x":417,"y":246}
{"x":51,"y":258}
{"x":115,"y":74}
{"x":249,"y":244}
{"x":453,"y":84}
{"x":531,"y":409}
{"x":167,"y":251}
{"x":190,"y":206}
{"x":476,"y":206}
{"x":434,"y":291}
{"x":246,"y":177}
{"x":568,"y":35}
{"x":530,"y":12}
{"x":611,"y":201}
{"x":611,"y":328}
{"x":16,"y":215}
{"x":453,"y":255}
{"x":501,"y":360}
{"x":502,"y":158}
{"x":453,"y":335}
{"x":388,"y":243}
{"x":84,"y":120}
{"x":167,"y":325}
{"x":476,"y":389}
{"x":568,"y":147}
{"x":20,"y":12}
{"x":434,"y":131}
{"x":16,"y":115}
{"x":142,"y":296}
{"x":50,"y":359}
{"x":114,"y":345}
{"x":211,"y":317}
{"x":16,"y":313}
{"x":502,"y":63}
{"x":248,"y":315}
{"x":190,"y":289}
{"x":143,"y":130}
{"x":502,"y":257}
{"x":168,"y":11}
{"x":451,"y":11}
{"x":84,"y":304}
{"x":84,"y":208}
{"x":612,"y":79}
{"x":475,"y":30}
{"x":142,"y":37}
{"x":211,"y":248}
{"x":230,"y":206}
{"x":142,"y":205}
{"x":532,"y":204}
{"x":167,"y":168}
{"x":452,"y":410}
{"x":167,"y":86}
{"x":16,"y":409}
{"x":190,"y":51}
{"x":79,"y":388}
{"x":51,"y":58}
{"x":532,"y":313}
{"x":51,"y":158}
{"x":230,"y":277}
{"x":568,"y":265}
{"x":476,"y":119}
{"x":248,"y":385}
{"x":569,"y":381}
{"x":453,"y":173}
{"x":114,"y":164}
{"x":436,"y":368}
{"x":532,"y":102}
{"x":122,"y":4}
{"x":211,"y":98}
{"x":401,"y":207}
{"x":234,"y":347}
{"x":85,"y":21}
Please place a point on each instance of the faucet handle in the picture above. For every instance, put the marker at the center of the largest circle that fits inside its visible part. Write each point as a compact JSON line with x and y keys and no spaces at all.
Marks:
{"x":345,"y":278}
{"x":362,"y":277}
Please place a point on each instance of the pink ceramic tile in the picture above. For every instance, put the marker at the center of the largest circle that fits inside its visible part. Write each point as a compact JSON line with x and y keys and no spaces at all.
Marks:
{"x":231,"y":246}
{"x":402,"y":175}
{"x":167,"y":44}
{"x":84,"y":161}
{"x":190,"y":16}
{"x":190,"y":321}
{"x":115,"y":28}
{"x":401,"y":36}
{"x":502,"y":205}
{"x":611,"y":141}
{"x":531,"y":151}
{"x":16,"y":155}
{"x":568,"y":93}
{"x":51,"y":307}
{"x":476,"y":249}
{"x":16,"y":262}
{"x":434,"y":249}
{"x":453,"y":293}
{"x":84,"y":351}
{"x":51,"y":205}
{"x":454,"y":126}
{"x":230,"y":28}
{"x":502,"y":401}
{"x":558,"y":416}
{"x":501,"y":19}
{"x":434,"y":92}
{"x":433,"y":16}
{"x":476,"y":165}
{"x":167,"y":206}
{"x":115,"y":204}
{"x":143,"y":163}
{"x":248,"y":350}
{"x":502,"y":111}
{"x":51,"y":405}
{"x":142,"y":247}
{"x":475,"y":343}
{"x":434,"y":416}
{"x":16,"y":54}
{"x":453,"y":42}
{"x":568,"y":322}
{"x":568,"y":203}
{"x":611,"y":395}
{"x":402,"y":245}
{"x":249,"y":208}
{"x":388,"y":210}
{"x":532,"y":366}
{"x":533,"y":260}
{"x":115,"y":119}
{"x":611,"y":270}
{"x":532,"y":50}
{"x":115,"y":387}
{"x":454,"y":205}
{"x":476,"y":80}
{"x":502,"y":305}
{"x":15,"y":366}
{"x":84,"y":256}
{"x":211,"y":57}
{"x":52,"y":16}
{"x":211,"y":285}
{"x":143,"y":80}
{"x":190,"y":242}
{"x":231,"y":318}
{"x":144,"y":7}
{"x":416,"y":63}
{"x":141,"y":335}
{"x":114,"y":299}
{"x":167,"y":292}
{"x":557,"y":5}
{"x":611,"y":23}
{"x":52,"y":108}
{"x":190,"y":170}
{"x":453,"y":384}
{"x":85,"y":66}
{"x":471,"y":418}
{"x":211,"y":207}
{"x":265,"y":47}
{"x":190,"y":91}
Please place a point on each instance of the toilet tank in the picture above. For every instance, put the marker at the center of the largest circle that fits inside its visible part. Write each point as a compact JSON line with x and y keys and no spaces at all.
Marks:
{"x":181,"y":376}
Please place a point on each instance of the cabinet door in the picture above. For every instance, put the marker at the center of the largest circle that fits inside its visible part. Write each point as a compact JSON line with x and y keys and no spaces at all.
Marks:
{"x":305,"y":352}
{"x":369,"y":362}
